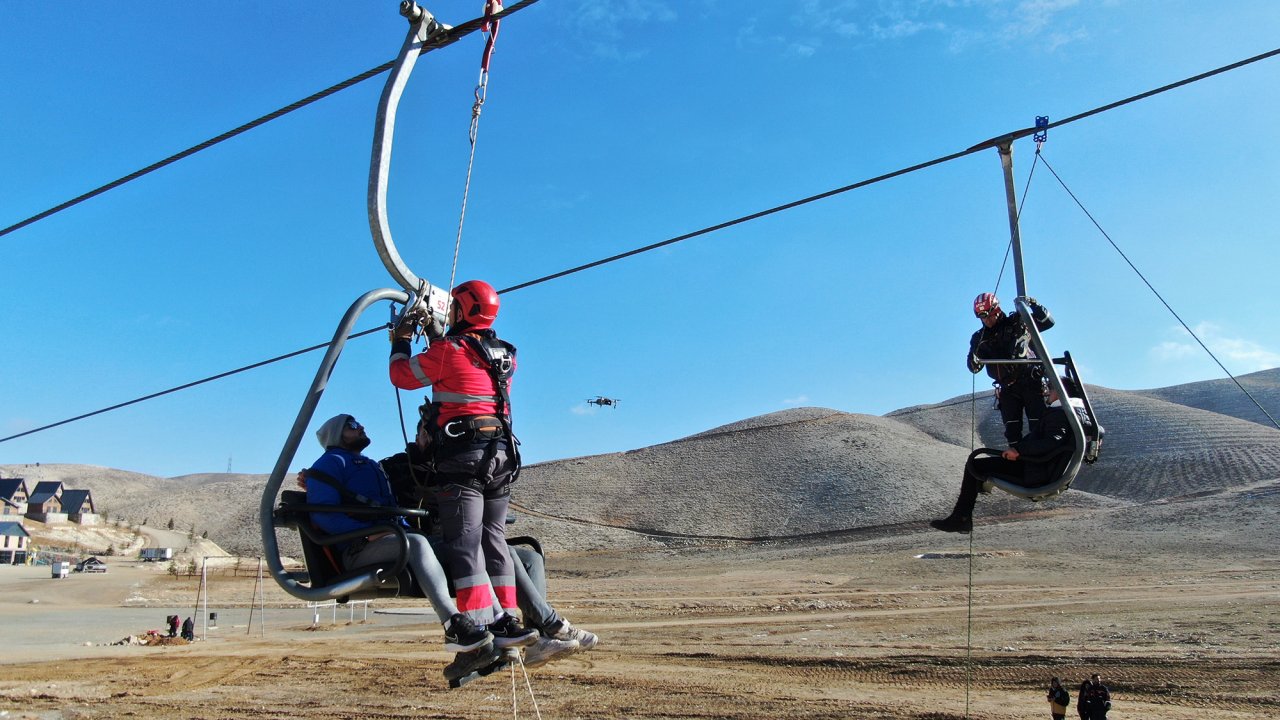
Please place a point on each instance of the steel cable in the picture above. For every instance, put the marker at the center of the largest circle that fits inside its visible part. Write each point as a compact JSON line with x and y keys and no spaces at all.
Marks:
{"x":444,"y":39}
{"x":803,"y":201}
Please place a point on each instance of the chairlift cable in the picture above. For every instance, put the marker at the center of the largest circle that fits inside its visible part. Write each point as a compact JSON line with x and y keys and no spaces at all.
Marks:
{"x":444,"y":39}
{"x":466,"y":28}
{"x":184,"y":386}
{"x":1158,"y":295}
{"x":896,"y":173}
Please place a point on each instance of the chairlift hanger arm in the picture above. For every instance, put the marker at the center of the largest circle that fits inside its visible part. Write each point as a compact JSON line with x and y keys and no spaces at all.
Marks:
{"x":422,"y":26}
{"x":425,"y":33}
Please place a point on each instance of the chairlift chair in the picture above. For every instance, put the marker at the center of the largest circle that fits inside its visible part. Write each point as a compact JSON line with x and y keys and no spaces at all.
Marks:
{"x":1087,"y":444}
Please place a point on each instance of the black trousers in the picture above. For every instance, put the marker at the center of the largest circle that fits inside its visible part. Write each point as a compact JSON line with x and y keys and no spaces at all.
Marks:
{"x":1020,"y":396}
{"x":971,"y":483}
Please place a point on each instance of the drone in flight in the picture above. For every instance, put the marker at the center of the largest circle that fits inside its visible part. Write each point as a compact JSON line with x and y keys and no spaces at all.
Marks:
{"x":603,"y":401}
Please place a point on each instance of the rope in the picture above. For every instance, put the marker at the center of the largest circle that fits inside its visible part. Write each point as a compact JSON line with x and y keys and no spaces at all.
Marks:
{"x":968,"y":638}
{"x":514,"y":714}
{"x":444,"y":39}
{"x":529,"y":686}
{"x":1159,"y":296}
{"x":482,"y":91}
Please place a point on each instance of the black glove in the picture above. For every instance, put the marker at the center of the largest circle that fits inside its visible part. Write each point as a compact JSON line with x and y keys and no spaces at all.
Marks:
{"x":404,"y":331}
{"x":432,"y":327}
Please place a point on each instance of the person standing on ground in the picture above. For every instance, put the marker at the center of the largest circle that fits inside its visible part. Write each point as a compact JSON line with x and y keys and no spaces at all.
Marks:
{"x":1059,"y":699}
{"x":1097,"y":698}
{"x":1004,"y":336}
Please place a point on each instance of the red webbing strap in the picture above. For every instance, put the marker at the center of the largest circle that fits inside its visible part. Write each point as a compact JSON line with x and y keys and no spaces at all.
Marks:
{"x":490,"y":26}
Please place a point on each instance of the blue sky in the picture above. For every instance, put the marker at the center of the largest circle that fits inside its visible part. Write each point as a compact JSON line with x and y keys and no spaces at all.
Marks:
{"x":610,"y":126}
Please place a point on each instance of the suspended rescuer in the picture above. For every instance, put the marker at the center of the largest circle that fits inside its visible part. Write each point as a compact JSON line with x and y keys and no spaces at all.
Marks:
{"x":1035,"y":460}
{"x":414,"y":482}
{"x":1003,"y":336}
{"x":476,"y":456}
{"x":344,"y":476}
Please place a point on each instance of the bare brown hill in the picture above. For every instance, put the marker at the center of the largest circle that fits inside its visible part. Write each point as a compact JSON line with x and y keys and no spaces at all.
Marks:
{"x":1223,"y":397}
{"x":1154,"y":448}
{"x":799,"y":472}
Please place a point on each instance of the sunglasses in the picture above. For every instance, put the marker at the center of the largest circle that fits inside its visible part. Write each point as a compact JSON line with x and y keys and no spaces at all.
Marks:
{"x":987,"y":313}
{"x":353,"y":425}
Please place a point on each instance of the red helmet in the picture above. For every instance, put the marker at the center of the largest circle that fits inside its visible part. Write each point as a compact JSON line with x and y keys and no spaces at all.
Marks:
{"x":985,"y":304}
{"x":477,"y":302}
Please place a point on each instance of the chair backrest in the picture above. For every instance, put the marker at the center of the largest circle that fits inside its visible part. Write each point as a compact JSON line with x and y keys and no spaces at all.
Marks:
{"x":324,"y":564}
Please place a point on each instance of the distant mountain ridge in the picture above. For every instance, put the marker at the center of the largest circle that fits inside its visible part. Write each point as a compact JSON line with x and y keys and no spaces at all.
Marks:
{"x":795,"y":472}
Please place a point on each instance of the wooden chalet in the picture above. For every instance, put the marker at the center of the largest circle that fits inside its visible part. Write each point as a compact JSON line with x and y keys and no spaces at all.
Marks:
{"x":77,"y":505}
{"x":45,"y":502}
{"x":13,"y":496}
{"x":14,"y":543}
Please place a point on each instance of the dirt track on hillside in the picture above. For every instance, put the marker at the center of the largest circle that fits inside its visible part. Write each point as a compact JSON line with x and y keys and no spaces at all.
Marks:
{"x":855,"y":629}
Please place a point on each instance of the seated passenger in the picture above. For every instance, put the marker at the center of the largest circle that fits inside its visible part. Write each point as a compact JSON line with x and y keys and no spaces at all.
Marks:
{"x":343,"y":476}
{"x":411,"y":476}
{"x":1038,"y":459}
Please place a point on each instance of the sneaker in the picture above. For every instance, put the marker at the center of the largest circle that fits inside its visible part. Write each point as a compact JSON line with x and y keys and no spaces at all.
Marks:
{"x":586,"y":640}
{"x":508,"y":632}
{"x":954,"y":523}
{"x":468,"y":662}
{"x":548,"y":649}
{"x":461,"y":635}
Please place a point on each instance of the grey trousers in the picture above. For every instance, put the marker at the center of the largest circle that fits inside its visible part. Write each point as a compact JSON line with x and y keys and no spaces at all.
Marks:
{"x":426,"y":568}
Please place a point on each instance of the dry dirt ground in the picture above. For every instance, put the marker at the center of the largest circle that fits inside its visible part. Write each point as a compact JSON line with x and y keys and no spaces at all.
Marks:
{"x":1176,"y":604}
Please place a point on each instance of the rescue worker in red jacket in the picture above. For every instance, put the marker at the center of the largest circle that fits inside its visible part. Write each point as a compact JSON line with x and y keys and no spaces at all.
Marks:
{"x":1003,"y":336}
{"x":476,"y":458}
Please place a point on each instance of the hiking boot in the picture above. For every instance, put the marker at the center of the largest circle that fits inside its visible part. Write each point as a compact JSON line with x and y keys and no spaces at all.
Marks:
{"x":954,"y":523}
{"x":461,"y":635}
{"x":548,"y":649}
{"x":466,"y":663}
{"x":586,"y":640}
{"x":508,"y":632}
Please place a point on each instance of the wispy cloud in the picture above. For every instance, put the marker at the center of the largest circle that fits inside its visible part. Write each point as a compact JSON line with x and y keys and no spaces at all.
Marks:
{"x":797,"y":400}
{"x":1240,"y":355}
{"x":603,"y":27}
{"x":582,"y":410}
{"x":809,"y":26}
